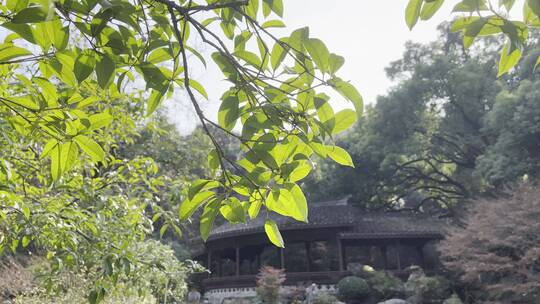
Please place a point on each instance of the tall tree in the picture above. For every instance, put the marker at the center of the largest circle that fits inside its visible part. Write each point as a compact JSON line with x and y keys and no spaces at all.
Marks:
{"x":447,"y":131}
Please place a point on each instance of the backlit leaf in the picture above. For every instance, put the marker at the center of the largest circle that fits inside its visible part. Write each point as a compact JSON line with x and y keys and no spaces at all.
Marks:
{"x":339,"y":155}
{"x":272,"y":231}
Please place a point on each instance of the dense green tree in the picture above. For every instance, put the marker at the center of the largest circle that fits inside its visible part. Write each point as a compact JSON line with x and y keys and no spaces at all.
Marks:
{"x":447,"y":131}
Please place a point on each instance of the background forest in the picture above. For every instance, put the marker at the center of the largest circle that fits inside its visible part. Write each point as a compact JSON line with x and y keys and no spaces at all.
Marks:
{"x":448,"y":131}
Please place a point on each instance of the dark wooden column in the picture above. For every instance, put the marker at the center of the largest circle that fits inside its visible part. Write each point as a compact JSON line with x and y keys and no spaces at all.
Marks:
{"x":237,"y":260}
{"x":398,"y":258}
{"x":219,"y":265}
{"x":385,"y":257}
{"x":421,"y":256}
{"x":209,"y":259}
{"x":308,"y":256}
{"x":282,"y":258}
{"x":344,"y":252}
{"x":340,"y":253}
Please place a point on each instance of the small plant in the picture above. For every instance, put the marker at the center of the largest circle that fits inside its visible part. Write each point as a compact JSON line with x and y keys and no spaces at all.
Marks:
{"x":353,"y":288}
{"x":325,"y":298}
{"x":269,"y":281}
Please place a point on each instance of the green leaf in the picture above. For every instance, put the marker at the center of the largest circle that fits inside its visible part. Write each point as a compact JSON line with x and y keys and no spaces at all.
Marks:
{"x":273,"y":23}
{"x":58,"y":34}
{"x":300,"y":203}
{"x":412,"y":12}
{"x":98,"y":121}
{"x":318,"y":51}
{"x":472,"y":30}
{"x":56,"y":169}
{"x":275,"y":5}
{"x":301,"y":170}
{"x":23,"y":30}
{"x":90,"y":147}
{"x":272,"y":231}
{"x":344,"y":120}
{"x":335,"y":62}
{"x":33,"y":14}
{"x":48,"y":91}
{"x":228,"y":112}
{"x":339,"y":155}
{"x":233,"y":211}
{"x":208,"y":217}
{"x":153,"y":102}
{"x":16,"y":5}
{"x":282,"y":201}
{"x":254,"y":208}
{"x":159,"y":55}
{"x":154,"y":77}
{"x":252,"y":8}
{"x":213,"y":159}
{"x":201,"y":185}
{"x":84,"y":66}
{"x":198,"y":87}
{"x":348,"y":91}
{"x":24,"y":102}
{"x":8,"y":52}
{"x":277,"y":55}
{"x":69,"y":156}
{"x":430,"y":8}
{"x":508,"y":59}
{"x":189,"y":206}
{"x":250,"y":58}
{"x":163,"y":229}
{"x":534,"y":5}
{"x":105,"y":68}
{"x":52,"y":143}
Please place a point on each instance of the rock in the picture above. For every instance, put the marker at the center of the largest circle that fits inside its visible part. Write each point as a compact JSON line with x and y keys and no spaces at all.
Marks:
{"x":454,"y":299}
{"x":356,"y":269}
{"x":193,"y":296}
{"x":394,"y":301}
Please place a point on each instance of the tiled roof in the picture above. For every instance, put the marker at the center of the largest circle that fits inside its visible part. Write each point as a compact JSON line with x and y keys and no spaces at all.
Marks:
{"x":337,"y":214}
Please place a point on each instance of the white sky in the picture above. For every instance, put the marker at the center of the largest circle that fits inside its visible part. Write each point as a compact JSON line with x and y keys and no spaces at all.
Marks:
{"x":369,"y":34}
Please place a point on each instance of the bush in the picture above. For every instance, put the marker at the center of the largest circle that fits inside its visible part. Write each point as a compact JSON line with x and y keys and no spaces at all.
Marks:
{"x":269,"y":281}
{"x":325,"y":298}
{"x":428,"y":289}
{"x":497,"y":255}
{"x":385,"y":285}
{"x":353,"y":288}
{"x":160,"y":278}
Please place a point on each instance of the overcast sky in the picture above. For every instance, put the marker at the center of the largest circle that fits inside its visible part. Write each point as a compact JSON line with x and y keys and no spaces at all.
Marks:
{"x":369,"y":34}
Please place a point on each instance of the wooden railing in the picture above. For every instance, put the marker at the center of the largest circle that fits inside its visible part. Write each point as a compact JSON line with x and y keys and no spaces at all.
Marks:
{"x":293,"y":278}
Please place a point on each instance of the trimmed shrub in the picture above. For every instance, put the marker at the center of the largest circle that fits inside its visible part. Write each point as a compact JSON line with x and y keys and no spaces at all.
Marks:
{"x":353,"y":288}
{"x":385,"y":285}
{"x":427,"y":289}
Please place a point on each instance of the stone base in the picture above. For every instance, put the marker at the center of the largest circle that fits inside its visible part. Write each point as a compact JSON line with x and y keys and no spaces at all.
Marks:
{"x":222,"y":295}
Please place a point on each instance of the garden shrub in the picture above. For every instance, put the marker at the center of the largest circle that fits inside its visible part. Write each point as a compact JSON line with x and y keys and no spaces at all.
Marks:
{"x":427,"y":288}
{"x":353,"y":288}
{"x":160,"y":278}
{"x":385,"y":285}
{"x":325,"y":298}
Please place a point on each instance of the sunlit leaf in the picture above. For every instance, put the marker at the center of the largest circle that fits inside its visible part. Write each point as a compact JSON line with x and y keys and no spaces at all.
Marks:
{"x":272,"y":231}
